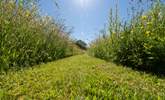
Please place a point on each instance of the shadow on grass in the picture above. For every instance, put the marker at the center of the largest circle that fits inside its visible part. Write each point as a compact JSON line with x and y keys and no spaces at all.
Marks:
{"x":158,"y":69}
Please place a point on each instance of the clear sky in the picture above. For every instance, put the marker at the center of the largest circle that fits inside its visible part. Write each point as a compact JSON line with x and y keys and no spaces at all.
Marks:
{"x":87,"y":17}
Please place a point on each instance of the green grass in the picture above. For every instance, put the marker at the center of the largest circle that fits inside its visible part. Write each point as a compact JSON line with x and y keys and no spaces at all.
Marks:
{"x":81,"y":77}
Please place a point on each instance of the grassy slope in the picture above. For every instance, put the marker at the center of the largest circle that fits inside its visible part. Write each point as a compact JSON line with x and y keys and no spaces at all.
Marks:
{"x":81,"y":77}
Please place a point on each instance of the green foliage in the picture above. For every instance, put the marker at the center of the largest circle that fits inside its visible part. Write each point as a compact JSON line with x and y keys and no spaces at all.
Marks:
{"x":143,"y":43}
{"x":81,"y":44}
{"x":140,"y":44}
{"x":28,"y":39}
{"x":81,"y":77}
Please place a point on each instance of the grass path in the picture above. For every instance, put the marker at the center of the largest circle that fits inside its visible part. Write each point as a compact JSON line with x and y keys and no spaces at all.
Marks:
{"x":80,"y":77}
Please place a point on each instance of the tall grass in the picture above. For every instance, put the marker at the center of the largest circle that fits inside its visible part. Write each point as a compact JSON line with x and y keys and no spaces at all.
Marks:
{"x":27,"y":38}
{"x":139,"y":44}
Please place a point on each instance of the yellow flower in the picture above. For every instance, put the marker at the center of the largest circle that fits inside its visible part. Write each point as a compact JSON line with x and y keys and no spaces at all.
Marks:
{"x":122,"y":37}
{"x":113,"y":33}
{"x":149,"y":23}
{"x":144,"y":17}
{"x":147,"y":33}
{"x":147,"y":46}
{"x":27,"y":13}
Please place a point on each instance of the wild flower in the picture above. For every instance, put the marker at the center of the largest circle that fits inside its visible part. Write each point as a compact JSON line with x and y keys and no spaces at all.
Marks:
{"x":144,"y":17}
{"x":149,"y":23}
{"x":142,"y":27}
{"x":147,"y":33}
{"x":122,"y":37}
{"x":27,"y":13}
{"x":147,"y":46}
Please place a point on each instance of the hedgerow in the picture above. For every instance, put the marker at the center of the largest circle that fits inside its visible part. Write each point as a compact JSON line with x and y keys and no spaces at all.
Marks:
{"x":139,"y":44}
{"x":27,"y":38}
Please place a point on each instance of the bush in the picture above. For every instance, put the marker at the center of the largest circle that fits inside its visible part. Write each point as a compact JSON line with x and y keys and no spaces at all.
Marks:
{"x":141,"y":44}
{"x":28,"y":38}
{"x":81,"y":44}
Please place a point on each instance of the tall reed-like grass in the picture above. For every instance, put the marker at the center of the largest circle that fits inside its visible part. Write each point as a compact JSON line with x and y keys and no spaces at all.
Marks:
{"x":139,"y":44}
{"x":26,"y":38}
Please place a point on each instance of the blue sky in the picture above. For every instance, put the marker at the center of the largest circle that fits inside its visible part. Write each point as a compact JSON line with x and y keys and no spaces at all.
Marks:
{"x":87,"y":17}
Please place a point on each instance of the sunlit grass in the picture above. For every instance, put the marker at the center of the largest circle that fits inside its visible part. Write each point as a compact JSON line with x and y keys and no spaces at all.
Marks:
{"x":81,"y":77}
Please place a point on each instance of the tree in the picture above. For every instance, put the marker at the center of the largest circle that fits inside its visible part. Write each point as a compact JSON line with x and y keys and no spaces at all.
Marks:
{"x":81,"y":44}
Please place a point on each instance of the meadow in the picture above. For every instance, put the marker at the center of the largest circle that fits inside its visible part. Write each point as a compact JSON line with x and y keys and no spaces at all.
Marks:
{"x":40,"y":61}
{"x":81,"y":78}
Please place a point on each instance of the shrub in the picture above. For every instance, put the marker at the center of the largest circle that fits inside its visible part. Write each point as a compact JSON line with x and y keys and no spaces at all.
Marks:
{"x":81,"y":44}
{"x":28,"y":38}
{"x":141,"y":44}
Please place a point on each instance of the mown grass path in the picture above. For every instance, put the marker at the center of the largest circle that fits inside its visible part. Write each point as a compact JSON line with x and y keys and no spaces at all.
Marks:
{"x":78,"y":78}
